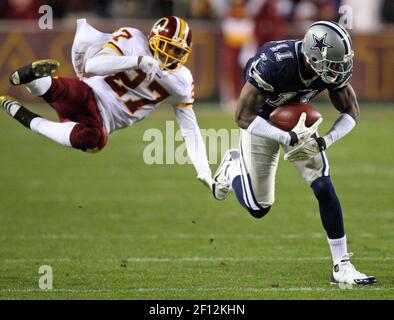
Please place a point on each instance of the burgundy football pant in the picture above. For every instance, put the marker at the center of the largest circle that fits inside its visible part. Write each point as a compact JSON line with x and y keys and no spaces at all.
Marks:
{"x":73,"y":100}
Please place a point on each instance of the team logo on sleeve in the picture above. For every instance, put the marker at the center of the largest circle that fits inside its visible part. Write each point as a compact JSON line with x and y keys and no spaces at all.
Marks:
{"x":256,"y":75}
{"x":263,"y":57}
{"x":320,"y":43}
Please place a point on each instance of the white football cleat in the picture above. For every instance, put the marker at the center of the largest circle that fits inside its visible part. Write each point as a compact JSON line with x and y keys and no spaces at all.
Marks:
{"x":16,"y":110}
{"x":221,"y":181}
{"x":344,"y":272}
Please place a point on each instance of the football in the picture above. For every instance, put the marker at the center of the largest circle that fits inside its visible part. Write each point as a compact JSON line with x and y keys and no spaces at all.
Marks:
{"x":286,"y":117}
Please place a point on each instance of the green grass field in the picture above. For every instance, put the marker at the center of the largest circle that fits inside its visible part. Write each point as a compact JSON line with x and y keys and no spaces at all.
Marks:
{"x":112,"y":227}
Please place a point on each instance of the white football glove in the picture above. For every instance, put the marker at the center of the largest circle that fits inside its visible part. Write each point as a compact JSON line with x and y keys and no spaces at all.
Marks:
{"x":303,"y":132}
{"x":149,"y":65}
{"x":305,"y":150}
{"x":206,"y":180}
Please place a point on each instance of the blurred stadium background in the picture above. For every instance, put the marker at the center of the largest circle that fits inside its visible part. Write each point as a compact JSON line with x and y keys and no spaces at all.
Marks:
{"x":225,"y":34}
{"x":114,"y":227}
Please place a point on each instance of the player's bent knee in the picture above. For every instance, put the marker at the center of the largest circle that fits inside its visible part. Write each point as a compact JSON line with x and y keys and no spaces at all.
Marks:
{"x":85,"y":138}
{"x":258,"y":214}
{"x":323,"y":188}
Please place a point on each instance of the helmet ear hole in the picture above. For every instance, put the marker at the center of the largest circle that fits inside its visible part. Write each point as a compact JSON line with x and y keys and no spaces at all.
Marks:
{"x":314,"y":59}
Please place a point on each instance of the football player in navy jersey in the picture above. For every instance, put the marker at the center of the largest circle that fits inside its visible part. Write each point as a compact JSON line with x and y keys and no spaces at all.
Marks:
{"x":285,"y":72}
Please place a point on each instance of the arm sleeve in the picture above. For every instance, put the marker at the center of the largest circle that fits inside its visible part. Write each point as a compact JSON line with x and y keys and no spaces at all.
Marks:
{"x":262,"y":128}
{"x":117,"y":54}
{"x":185,"y":90}
{"x":106,"y":63}
{"x":195,"y":146}
{"x":342,"y":126}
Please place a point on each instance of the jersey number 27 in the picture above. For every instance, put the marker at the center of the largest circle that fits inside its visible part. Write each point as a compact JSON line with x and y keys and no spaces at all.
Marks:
{"x":121,"y":84}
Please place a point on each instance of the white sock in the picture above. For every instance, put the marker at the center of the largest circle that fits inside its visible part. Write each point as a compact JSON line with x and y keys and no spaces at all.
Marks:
{"x":39,"y":86}
{"x":338,"y":248}
{"x":56,"y":131}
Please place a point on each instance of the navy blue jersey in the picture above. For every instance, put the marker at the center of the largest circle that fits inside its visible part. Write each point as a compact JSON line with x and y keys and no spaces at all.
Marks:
{"x":275,"y":70}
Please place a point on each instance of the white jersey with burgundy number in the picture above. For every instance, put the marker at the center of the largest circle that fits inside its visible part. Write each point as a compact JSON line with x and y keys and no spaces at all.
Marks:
{"x":127,"y":97}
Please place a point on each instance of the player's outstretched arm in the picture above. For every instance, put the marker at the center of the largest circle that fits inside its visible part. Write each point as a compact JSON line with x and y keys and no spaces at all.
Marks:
{"x":105,"y":62}
{"x":195,"y":146}
{"x":345,"y":101}
{"x":250,"y":101}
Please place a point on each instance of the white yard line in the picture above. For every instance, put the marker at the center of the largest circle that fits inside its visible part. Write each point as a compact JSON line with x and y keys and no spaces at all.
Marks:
{"x":200,"y":289}
{"x":183,"y":259}
{"x":179,"y":236}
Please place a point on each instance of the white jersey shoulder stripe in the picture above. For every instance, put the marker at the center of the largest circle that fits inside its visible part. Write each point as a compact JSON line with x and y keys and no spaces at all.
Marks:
{"x":178,"y":27}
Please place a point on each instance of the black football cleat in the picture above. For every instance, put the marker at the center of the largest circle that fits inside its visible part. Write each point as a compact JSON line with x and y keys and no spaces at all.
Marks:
{"x":35,"y":70}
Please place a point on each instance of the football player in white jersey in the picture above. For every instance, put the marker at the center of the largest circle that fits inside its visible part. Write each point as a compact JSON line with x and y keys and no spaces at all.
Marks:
{"x":133,"y":75}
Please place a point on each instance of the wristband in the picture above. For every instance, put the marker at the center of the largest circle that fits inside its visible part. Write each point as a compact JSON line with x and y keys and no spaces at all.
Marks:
{"x":293,"y":138}
{"x":321,"y":143}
